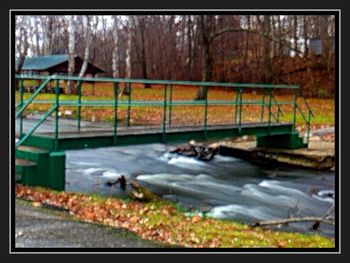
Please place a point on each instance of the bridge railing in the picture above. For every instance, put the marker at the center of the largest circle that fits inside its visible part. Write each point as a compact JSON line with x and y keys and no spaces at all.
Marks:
{"x":167,"y":97}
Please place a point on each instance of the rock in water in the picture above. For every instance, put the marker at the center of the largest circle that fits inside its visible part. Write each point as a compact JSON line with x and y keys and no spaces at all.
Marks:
{"x":198,"y":151}
{"x":121,"y":180}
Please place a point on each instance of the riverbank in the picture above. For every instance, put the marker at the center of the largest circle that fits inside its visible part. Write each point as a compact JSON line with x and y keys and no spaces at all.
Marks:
{"x":161,"y":221}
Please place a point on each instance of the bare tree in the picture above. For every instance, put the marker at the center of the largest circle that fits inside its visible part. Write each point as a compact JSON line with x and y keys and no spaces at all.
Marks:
{"x":129,"y":27}
{"x":128,"y":52}
{"x":115,"y":57}
{"x":71,"y":53}
{"x":267,"y":67}
{"x":205,"y":23}
{"x":252,"y":48}
{"x":22,"y":43}
{"x":87,"y":21}
{"x":140,"y":28}
{"x":47,"y":26}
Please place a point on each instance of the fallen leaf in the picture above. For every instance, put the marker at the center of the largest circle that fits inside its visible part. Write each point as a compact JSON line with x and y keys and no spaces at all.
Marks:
{"x":196,"y":219}
{"x":36,"y":204}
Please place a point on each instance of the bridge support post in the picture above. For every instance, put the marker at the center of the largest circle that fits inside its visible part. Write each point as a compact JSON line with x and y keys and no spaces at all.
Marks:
{"x":284,"y":141}
{"x":57,"y":171}
{"x":47,"y":170}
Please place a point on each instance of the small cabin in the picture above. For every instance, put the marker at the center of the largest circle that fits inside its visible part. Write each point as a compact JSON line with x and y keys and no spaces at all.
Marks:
{"x":55,"y":65}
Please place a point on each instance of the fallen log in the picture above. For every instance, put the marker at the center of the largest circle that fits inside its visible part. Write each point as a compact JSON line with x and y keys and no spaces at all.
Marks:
{"x":294,"y":220}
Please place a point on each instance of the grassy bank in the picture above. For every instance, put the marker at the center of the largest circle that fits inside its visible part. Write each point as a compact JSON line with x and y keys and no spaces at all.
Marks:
{"x":162,"y":221}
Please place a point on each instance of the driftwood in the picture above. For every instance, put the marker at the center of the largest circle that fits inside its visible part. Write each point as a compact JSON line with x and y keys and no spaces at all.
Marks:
{"x":328,"y":218}
{"x":121,"y":180}
{"x":294,"y":220}
{"x":136,"y":192}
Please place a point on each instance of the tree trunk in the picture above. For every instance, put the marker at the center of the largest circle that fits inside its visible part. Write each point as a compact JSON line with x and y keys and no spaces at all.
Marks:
{"x":128,"y":57}
{"x":305,"y":36}
{"x":71,"y":55}
{"x":22,"y":47}
{"x":115,"y":57}
{"x":87,"y":47}
{"x":267,"y":67}
{"x":142,"y":26}
{"x":37,"y":37}
{"x":189,"y":59}
{"x":295,"y":33}
{"x":207,"y":71}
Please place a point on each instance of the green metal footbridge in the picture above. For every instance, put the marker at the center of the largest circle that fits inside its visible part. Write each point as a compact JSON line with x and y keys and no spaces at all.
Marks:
{"x":43,"y":133}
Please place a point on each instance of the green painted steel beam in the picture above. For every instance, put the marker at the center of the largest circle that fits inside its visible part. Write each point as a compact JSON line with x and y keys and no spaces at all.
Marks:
{"x":164,"y":82}
{"x":40,"y":88}
{"x":124,"y":103}
{"x":96,"y":141}
{"x":40,"y":121}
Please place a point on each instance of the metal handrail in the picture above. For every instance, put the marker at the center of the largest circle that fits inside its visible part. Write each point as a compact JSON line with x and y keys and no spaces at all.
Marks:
{"x":166,"y":103}
{"x":160,"y":103}
{"x":31,"y":98}
{"x":163,"y":82}
{"x":41,"y":120}
{"x":307,"y":119}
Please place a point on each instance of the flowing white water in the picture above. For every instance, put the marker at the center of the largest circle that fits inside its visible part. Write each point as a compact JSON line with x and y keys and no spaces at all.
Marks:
{"x":225,"y":187}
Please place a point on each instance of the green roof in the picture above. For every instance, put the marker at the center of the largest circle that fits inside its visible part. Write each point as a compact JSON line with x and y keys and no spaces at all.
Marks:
{"x":44,"y":62}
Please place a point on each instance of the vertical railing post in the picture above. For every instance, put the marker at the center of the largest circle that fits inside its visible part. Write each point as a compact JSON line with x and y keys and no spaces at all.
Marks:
{"x":308,"y":127}
{"x":57,"y":93}
{"x":20,"y":106}
{"x":164,"y":113}
{"x":129,"y":105}
{"x":269,"y":107}
{"x":236,"y":105}
{"x":262,"y":107}
{"x":170,"y":104}
{"x":205,"y":113}
{"x":295,"y":108}
{"x":240,"y":111}
{"x":278,"y":109}
{"x":115,"y":115}
{"x":79,"y":104}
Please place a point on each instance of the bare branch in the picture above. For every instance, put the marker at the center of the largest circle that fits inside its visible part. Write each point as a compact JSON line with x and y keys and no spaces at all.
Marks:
{"x":294,"y":220}
{"x":271,"y":38}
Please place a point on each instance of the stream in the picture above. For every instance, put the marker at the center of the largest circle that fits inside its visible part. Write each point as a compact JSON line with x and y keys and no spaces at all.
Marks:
{"x":225,"y":188}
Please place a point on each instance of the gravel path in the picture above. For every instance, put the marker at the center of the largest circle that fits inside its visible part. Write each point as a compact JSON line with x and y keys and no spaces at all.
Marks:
{"x":42,"y":227}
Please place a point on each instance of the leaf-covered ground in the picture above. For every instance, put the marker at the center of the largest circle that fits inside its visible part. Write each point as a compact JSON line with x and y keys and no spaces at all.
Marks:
{"x":162,"y":221}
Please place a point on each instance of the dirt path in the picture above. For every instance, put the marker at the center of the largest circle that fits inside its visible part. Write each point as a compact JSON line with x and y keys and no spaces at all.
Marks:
{"x":38,"y":227}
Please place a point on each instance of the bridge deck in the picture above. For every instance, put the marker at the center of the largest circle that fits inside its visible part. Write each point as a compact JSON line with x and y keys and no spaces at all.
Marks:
{"x":93,"y":134}
{"x":68,"y":128}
